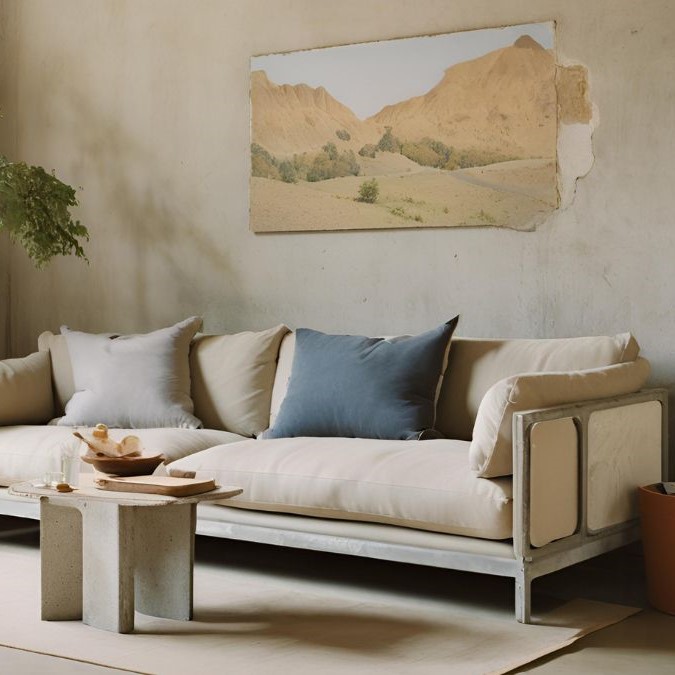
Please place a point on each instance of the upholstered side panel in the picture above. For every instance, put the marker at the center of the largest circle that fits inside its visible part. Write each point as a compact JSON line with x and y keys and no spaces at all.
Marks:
{"x":554,"y":484}
{"x":624,"y":452}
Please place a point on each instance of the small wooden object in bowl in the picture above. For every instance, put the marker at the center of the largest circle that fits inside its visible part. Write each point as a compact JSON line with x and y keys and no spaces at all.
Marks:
{"x":124,"y":466}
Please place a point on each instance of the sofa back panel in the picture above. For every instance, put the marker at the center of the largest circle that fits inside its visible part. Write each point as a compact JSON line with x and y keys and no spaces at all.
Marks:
{"x":62,"y":371}
{"x":474,"y":365}
{"x":232,"y":377}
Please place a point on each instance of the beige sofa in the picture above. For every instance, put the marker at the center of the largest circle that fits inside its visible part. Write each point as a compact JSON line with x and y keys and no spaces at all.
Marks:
{"x":546,"y":441}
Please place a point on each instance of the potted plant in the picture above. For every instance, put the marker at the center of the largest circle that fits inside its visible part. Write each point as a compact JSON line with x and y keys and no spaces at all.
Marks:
{"x":35,"y":211}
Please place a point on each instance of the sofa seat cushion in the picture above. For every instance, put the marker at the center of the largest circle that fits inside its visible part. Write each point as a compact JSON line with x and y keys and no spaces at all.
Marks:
{"x":26,"y":452}
{"x":426,"y":485}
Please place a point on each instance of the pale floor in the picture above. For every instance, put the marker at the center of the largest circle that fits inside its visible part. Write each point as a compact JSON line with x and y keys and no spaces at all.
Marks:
{"x":644,"y":643}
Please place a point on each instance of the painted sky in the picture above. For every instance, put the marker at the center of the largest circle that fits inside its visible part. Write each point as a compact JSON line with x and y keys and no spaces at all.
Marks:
{"x":366,"y":77}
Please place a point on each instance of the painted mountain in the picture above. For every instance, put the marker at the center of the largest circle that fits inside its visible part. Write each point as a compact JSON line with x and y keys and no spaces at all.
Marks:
{"x":479,"y":148}
{"x":291,"y":119}
{"x":503,"y":102}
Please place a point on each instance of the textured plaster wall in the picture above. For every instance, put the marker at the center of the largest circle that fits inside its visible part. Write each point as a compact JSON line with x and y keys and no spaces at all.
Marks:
{"x":144,"y":104}
{"x":4,"y":298}
{"x":7,"y":140}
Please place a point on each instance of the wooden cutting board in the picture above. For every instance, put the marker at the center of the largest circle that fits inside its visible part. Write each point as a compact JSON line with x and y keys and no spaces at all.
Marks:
{"x":157,"y":485}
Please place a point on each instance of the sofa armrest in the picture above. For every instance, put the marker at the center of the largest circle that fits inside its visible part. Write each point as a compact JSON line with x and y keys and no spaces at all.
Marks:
{"x":26,"y":390}
{"x":590,"y":457}
{"x":491,"y":451}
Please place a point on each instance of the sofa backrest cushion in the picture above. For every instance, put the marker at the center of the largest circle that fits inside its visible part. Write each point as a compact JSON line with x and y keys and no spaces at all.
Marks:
{"x":491,"y":450}
{"x":132,"y":381}
{"x":363,"y":387}
{"x":26,"y":390}
{"x":474,"y":365}
{"x":232,"y":378}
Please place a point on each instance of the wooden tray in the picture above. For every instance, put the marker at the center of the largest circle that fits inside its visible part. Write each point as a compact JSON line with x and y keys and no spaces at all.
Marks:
{"x":157,"y":485}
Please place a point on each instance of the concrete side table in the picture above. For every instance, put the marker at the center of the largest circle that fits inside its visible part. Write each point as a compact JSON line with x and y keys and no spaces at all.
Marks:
{"x":105,"y":554}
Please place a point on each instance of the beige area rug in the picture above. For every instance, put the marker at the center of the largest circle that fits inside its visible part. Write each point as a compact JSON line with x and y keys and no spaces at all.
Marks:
{"x":259,"y":622}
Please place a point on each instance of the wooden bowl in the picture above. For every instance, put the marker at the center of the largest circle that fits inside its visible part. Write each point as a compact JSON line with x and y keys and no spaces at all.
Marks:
{"x":125,"y":466}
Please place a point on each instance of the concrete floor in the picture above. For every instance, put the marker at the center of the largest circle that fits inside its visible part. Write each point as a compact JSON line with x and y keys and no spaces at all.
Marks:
{"x":643,"y":643}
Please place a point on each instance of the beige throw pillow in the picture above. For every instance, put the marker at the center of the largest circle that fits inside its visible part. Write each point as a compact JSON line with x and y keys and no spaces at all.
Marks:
{"x":26,"y":390}
{"x":232,"y":377}
{"x":491,"y":450}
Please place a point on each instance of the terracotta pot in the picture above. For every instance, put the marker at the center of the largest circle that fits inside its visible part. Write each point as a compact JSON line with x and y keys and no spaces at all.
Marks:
{"x":657,"y":511}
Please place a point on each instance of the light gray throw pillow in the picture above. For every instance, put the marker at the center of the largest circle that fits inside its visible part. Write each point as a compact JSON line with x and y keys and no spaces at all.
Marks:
{"x":361,"y":387}
{"x":132,"y":381}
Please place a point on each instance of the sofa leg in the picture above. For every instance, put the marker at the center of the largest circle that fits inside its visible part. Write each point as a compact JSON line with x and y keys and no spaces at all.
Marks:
{"x":523,"y":596}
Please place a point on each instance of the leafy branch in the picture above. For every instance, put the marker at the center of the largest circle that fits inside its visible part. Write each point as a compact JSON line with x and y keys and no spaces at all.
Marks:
{"x":35,"y":211}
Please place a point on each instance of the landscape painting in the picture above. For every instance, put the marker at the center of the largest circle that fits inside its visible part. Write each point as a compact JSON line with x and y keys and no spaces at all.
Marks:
{"x":455,"y":130}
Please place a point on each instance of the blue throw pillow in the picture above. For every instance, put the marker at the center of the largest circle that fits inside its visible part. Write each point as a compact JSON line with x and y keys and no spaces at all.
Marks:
{"x":360,"y":387}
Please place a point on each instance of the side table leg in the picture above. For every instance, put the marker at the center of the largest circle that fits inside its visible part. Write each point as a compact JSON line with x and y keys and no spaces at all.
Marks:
{"x":61,"y":562}
{"x":108,"y":545}
{"x":165,"y":537}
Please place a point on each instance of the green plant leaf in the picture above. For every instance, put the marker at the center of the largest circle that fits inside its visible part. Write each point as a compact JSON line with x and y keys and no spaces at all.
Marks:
{"x":35,"y":210}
